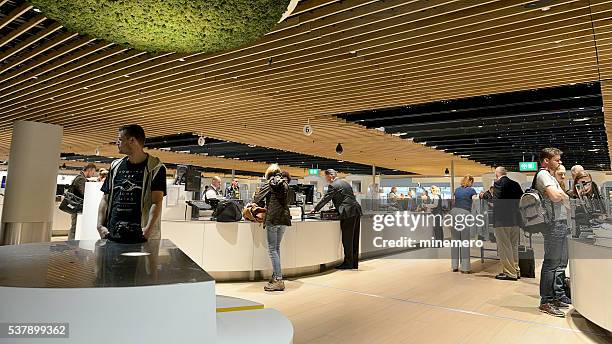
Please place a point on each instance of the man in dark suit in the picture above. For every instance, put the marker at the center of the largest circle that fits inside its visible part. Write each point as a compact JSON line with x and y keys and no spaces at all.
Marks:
{"x":506,"y":196}
{"x":341,"y":194}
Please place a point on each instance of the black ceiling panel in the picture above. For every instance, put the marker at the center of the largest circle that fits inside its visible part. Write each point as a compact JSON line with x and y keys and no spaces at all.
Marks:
{"x":504,"y":129}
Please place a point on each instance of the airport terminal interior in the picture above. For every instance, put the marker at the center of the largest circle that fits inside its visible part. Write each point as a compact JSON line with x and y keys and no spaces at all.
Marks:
{"x":305,"y":171}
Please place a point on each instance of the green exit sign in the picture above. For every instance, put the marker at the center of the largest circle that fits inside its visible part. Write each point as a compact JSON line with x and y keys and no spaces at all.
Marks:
{"x":528,"y":166}
{"x":313,"y":171}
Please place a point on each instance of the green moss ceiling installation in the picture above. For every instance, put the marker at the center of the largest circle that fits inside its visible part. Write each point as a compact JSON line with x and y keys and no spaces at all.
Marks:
{"x":168,"y":25}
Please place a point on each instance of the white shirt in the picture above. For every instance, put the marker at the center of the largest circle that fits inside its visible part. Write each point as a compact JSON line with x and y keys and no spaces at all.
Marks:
{"x":213,"y":193}
{"x":544,"y":180}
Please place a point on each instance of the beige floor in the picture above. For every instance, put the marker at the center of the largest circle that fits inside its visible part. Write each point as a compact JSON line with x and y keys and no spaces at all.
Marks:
{"x":408,"y":300}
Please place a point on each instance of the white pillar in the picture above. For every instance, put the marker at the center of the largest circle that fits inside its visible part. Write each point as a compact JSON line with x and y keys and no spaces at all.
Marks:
{"x":31,"y":183}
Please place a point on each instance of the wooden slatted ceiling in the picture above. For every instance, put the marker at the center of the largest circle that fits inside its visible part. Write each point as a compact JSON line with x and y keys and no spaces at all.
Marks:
{"x":340,"y":57}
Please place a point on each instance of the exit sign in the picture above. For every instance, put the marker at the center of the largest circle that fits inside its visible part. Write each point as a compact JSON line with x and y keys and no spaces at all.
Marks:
{"x":313,"y":171}
{"x":528,"y":166}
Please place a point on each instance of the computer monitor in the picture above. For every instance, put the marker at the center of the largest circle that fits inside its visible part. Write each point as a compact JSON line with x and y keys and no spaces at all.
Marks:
{"x":193,"y":180}
{"x":306,"y":190}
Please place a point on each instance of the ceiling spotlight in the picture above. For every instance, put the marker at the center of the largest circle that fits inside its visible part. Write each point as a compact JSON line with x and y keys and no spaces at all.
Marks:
{"x":339,"y":149}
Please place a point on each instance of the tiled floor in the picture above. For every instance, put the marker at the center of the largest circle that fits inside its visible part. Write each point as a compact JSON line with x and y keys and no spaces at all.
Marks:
{"x":403,"y":299}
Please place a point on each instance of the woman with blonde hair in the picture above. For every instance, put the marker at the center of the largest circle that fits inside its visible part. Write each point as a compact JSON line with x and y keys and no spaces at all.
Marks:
{"x":274,"y":196}
{"x":462,"y":207}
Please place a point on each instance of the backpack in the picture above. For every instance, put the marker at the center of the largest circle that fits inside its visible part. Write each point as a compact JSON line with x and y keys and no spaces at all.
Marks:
{"x":536,"y":212}
{"x":227,"y":211}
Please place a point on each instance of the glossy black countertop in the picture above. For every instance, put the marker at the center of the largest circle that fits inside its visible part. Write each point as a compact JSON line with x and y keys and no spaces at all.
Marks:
{"x":97,"y":264}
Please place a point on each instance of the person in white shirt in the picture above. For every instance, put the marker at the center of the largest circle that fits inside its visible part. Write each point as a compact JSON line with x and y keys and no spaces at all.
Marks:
{"x":555,"y":240}
{"x":213,"y":194}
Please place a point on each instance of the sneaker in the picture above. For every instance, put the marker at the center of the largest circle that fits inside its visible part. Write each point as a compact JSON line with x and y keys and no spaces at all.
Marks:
{"x":455,"y":270}
{"x":560,"y":304}
{"x":549,"y":309}
{"x":505,"y":277}
{"x":276,"y":285}
{"x":565,"y":300}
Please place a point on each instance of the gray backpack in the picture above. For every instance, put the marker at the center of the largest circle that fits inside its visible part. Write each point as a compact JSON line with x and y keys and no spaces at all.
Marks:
{"x":536,"y":211}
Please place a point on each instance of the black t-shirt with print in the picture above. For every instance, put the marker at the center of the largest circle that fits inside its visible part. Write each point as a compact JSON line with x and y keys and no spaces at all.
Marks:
{"x":127,"y":194}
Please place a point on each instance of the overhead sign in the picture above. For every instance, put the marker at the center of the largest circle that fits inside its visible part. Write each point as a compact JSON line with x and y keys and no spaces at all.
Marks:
{"x":307,"y":130}
{"x":528,"y":166}
{"x":313,"y":171}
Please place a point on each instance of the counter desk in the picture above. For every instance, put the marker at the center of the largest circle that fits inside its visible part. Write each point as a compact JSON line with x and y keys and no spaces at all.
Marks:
{"x":102,"y":292}
{"x":590,"y":263}
{"x":238,"y":250}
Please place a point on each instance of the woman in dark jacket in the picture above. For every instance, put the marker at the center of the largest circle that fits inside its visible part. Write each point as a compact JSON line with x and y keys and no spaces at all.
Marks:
{"x":274,"y":196}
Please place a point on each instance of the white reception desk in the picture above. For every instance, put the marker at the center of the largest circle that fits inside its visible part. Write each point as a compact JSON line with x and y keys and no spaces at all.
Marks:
{"x":591,"y":268}
{"x":238,"y":250}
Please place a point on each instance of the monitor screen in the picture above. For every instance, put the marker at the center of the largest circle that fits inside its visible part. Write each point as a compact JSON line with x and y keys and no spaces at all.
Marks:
{"x":306,"y":190}
{"x":192,"y":179}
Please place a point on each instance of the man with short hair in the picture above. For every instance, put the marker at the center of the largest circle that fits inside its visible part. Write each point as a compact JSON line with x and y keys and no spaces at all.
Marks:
{"x":213,"y":194}
{"x":340,"y":192}
{"x":555,"y":240}
{"x":77,"y":187}
{"x":233,"y":190}
{"x":130,"y":210}
{"x":506,"y":196}
{"x":575,"y":170}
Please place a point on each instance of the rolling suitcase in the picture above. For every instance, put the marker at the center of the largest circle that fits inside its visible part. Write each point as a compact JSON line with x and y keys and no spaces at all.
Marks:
{"x":526,"y":260}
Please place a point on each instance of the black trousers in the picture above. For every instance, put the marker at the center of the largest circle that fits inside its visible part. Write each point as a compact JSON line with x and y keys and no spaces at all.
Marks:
{"x":350,"y":240}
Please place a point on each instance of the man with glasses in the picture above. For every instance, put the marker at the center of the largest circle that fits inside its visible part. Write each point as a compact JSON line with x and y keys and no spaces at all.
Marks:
{"x":555,"y":240}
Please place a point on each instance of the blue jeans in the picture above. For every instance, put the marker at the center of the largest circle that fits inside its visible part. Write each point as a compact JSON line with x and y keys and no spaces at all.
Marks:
{"x":275,"y":235}
{"x":555,"y":262}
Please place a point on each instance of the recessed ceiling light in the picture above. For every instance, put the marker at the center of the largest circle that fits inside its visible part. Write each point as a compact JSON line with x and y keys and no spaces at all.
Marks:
{"x":340,"y":160}
{"x":480,"y":126}
{"x":252,"y":146}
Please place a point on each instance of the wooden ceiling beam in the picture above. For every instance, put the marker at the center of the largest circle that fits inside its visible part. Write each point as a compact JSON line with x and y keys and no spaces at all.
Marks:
{"x":22,"y":29}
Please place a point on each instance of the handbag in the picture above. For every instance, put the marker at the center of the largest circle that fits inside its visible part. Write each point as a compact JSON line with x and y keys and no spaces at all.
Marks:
{"x":71,"y":204}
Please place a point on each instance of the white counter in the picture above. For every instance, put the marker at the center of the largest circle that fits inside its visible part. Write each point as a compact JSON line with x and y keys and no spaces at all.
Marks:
{"x":591,"y":267}
{"x":238,"y":250}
